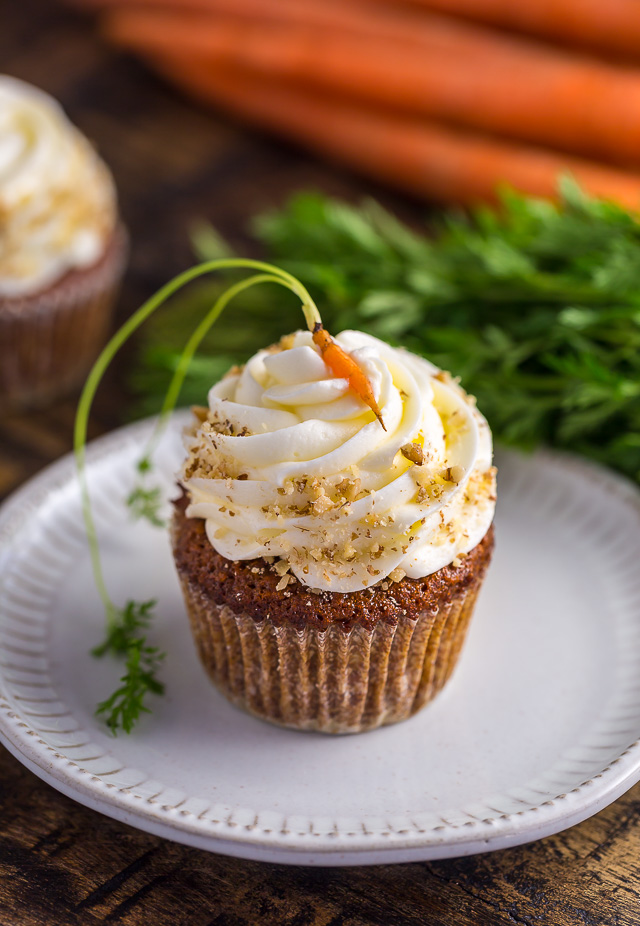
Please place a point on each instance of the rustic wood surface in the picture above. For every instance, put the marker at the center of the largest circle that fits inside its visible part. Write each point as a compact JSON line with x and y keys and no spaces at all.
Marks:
{"x":61,"y":863}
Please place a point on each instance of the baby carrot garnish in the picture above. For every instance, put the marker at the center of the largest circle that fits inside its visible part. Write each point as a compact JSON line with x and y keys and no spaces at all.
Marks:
{"x":343,"y":365}
{"x":339,"y":360}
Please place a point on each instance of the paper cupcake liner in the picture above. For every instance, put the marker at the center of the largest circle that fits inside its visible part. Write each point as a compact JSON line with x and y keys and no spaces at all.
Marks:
{"x":48,"y":341}
{"x":332,"y":681}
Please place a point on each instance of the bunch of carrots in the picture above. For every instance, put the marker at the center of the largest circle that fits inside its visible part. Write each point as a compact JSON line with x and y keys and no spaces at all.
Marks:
{"x":446,"y":99}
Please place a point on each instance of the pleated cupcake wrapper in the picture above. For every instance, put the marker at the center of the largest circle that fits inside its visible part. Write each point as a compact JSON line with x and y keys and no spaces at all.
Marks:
{"x":332,"y":680}
{"x":49,"y":341}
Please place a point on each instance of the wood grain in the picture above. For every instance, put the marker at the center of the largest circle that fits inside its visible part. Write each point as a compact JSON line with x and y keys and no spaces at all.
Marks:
{"x":62,"y":864}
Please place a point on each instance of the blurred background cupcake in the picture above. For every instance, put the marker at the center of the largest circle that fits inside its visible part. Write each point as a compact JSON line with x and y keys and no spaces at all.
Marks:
{"x":62,"y":248}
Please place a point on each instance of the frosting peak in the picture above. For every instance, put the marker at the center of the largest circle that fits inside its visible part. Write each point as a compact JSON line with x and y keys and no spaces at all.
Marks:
{"x":287,"y":462}
{"x":57,"y":199}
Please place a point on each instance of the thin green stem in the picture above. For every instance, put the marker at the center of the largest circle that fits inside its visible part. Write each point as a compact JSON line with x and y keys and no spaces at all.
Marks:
{"x":274,"y":274}
{"x":192,"y":345}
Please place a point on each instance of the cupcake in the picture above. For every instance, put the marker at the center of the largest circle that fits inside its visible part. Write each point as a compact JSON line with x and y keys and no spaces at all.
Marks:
{"x":330,"y":565}
{"x":62,"y":249}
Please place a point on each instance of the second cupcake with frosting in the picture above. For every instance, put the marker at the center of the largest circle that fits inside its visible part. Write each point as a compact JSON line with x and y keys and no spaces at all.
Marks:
{"x":62,"y":248}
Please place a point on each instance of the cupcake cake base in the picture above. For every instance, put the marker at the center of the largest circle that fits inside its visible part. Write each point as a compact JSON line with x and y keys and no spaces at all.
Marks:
{"x":334,"y":663}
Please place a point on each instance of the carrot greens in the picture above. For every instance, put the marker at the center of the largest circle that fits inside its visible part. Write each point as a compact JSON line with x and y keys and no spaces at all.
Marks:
{"x":126,"y":638}
{"x":145,"y":504}
{"x":535,"y":305}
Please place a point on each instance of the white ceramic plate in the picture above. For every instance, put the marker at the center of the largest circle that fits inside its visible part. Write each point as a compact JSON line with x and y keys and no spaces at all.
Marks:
{"x":537,"y":730}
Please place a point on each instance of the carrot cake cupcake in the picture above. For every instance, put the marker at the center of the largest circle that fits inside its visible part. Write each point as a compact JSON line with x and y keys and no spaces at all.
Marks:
{"x":330,"y":561}
{"x":62,"y":249}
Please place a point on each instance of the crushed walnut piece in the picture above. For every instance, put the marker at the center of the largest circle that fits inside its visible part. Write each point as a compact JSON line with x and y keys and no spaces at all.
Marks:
{"x":453,"y":473}
{"x":349,"y":489}
{"x":349,"y":552}
{"x":397,"y":574}
{"x":321,"y":504}
{"x":413,"y":452}
{"x":282,"y":584}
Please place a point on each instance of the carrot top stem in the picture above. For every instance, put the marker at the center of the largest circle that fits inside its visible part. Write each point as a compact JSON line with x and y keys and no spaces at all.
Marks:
{"x":311,"y":314}
{"x":269,"y":273}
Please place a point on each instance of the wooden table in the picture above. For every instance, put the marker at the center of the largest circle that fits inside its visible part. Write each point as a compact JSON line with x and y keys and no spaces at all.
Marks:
{"x":61,"y":863}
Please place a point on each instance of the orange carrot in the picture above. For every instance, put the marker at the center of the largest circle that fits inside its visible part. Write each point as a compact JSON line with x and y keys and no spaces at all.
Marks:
{"x":609,"y":25}
{"x":359,"y":17}
{"x":460,"y":74}
{"x":418,"y":156}
{"x":343,"y":365}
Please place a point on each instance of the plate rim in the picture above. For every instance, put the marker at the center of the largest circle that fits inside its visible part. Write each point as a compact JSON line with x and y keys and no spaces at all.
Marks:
{"x":250,"y":842}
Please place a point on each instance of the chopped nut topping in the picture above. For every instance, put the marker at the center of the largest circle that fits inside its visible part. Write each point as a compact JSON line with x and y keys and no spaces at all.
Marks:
{"x":453,"y":473}
{"x":349,"y":552}
{"x":349,"y":488}
{"x":413,"y":452}
{"x":321,"y":504}
{"x":282,"y":584}
{"x":397,"y":574}
{"x":443,"y":376}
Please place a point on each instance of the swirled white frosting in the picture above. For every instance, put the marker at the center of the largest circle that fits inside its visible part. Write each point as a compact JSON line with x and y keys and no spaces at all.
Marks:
{"x":290,"y":463}
{"x":57,"y":199}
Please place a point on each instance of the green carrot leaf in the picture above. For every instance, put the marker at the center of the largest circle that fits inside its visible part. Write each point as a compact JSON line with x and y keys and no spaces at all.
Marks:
{"x":127,"y":626}
{"x":126,"y":639}
{"x":535,"y":304}
{"x":123,"y":708}
{"x":146,"y":504}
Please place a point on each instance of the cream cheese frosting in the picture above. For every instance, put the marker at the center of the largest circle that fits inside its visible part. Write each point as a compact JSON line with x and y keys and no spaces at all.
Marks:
{"x":288,"y":462}
{"x":57,"y":198}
